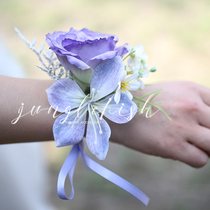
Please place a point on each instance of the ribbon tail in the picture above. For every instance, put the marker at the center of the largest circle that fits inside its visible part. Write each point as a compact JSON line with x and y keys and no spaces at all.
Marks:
{"x":114,"y":178}
{"x":68,"y":169}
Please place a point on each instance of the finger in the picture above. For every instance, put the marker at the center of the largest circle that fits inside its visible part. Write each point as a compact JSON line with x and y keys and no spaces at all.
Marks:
{"x":193,"y":156}
{"x":205,"y":94}
{"x":203,"y":116}
{"x":186,"y":152}
{"x":200,"y":137}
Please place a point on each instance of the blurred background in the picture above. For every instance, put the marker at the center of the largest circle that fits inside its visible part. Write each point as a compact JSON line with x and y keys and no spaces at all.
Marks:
{"x":176,"y":36}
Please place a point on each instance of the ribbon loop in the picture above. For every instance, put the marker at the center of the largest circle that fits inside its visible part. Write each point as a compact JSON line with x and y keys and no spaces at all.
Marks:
{"x":69,"y":166}
{"x":68,"y":169}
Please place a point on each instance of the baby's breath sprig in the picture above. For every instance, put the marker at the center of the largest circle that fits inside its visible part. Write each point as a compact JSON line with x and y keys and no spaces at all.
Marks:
{"x":53,"y":68}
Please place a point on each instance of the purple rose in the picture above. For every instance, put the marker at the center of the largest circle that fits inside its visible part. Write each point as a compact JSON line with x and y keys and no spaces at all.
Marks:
{"x":81,"y":51}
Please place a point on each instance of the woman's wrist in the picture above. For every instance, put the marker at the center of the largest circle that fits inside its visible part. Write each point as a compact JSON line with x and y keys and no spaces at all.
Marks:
{"x":21,"y":118}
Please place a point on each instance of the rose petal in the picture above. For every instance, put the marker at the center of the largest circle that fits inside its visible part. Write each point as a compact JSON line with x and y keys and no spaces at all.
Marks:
{"x":96,"y":47}
{"x":96,"y":35}
{"x":72,"y":46}
{"x":77,"y":62}
{"x":95,"y":61}
{"x":82,"y":75}
{"x":51,"y":38}
{"x":67,"y":37}
{"x":122,"y":50}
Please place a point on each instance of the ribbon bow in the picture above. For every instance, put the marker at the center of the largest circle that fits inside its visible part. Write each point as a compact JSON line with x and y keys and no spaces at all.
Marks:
{"x":69,"y":166}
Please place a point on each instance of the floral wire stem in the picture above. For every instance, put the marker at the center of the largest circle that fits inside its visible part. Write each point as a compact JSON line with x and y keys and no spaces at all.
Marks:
{"x":132,"y":52}
{"x":53,"y":64}
{"x":141,"y":100}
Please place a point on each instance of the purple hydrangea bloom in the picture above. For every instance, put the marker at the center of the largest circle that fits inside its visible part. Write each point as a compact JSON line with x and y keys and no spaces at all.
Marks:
{"x":82,"y":50}
{"x":67,"y":97}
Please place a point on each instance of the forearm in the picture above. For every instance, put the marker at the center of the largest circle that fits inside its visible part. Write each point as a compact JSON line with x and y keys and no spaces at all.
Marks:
{"x":28,"y":94}
{"x":19,"y":120}
{"x":185,"y":138}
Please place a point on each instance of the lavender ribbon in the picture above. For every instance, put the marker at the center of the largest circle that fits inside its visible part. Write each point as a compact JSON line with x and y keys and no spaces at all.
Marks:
{"x":69,"y":166}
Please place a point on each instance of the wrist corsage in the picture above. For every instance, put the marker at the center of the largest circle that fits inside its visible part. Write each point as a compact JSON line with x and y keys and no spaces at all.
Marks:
{"x":92,"y":82}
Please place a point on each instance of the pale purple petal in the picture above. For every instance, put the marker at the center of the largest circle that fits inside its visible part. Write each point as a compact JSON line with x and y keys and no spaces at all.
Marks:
{"x":65,"y":94}
{"x":123,"y":76}
{"x":106,"y":77}
{"x":69,"y":130}
{"x":97,"y":136}
{"x":119,"y":113}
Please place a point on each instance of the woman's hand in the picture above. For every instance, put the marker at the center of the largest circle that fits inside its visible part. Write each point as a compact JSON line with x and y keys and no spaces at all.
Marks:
{"x":185,"y":138}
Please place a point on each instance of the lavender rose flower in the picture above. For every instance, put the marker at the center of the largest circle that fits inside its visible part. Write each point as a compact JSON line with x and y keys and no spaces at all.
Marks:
{"x":81,"y":51}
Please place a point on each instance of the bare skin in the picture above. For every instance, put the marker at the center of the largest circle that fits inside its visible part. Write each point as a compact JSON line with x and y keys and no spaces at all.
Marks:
{"x":185,"y":138}
{"x":31,"y":92}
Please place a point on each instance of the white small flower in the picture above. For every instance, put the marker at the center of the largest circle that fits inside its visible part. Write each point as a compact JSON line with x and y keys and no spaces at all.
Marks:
{"x":138,"y":58}
{"x":143,"y":73}
{"x":127,"y":83}
{"x":141,"y":83}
